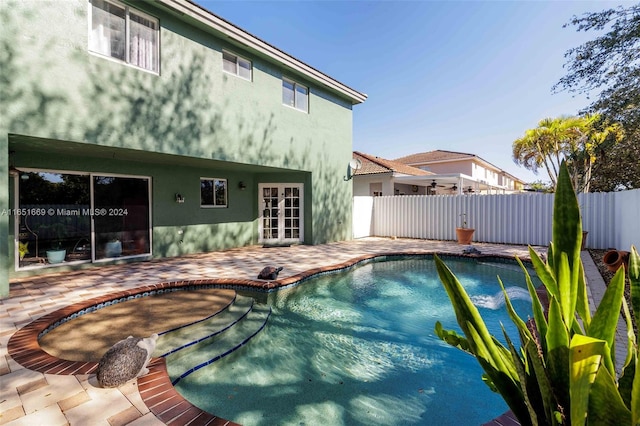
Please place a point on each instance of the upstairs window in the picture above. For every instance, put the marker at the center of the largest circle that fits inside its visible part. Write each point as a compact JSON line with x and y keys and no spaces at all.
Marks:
{"x":213,"y":192}
{"x":123,"y":33}
{"x":295,"y":95}
{"x":236,"y":65}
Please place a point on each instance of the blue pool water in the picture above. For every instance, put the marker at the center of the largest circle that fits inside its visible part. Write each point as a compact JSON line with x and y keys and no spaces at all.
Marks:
{"x":359,"y":348}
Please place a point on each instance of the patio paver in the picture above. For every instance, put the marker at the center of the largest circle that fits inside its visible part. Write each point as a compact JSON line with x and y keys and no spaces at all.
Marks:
{"x":29,"y":397}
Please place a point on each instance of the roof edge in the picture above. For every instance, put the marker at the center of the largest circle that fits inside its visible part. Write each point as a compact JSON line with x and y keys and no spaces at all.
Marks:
{"x":390,"y":165}
{"x":464,"y":156}
{"x":199,"y":13}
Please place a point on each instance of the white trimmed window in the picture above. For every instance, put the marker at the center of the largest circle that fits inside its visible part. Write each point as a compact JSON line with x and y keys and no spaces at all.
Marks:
{"x":295,"y":95}
{"x":236,"y":65}
{"x":213,"y":192}
{"x":125,"y":34}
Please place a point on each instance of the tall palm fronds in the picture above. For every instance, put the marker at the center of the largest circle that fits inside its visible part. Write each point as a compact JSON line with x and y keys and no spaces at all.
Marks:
{"x":577,"y":140}
{"x":543,"y":146}
{"x":589,"y":137}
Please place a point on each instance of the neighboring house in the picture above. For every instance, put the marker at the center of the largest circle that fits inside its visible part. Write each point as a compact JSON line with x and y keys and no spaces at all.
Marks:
{"x":484,"y":176}
{"x":377,"y":177}
{"x":153,"y":129}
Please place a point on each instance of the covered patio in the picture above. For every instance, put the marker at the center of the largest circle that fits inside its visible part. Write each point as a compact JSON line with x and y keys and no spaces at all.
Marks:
{"x":447,"y":184}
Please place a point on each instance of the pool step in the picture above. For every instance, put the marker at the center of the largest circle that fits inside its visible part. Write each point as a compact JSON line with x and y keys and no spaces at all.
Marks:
{"x":184,"y":362}
{"x":186,"y":336}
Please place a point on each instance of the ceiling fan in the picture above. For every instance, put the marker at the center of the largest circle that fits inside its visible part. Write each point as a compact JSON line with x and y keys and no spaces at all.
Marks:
{"x":434,"y":184}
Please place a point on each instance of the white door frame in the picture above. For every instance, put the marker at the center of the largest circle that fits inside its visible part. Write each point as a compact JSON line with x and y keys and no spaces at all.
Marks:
{"x":91,"y":211}
{"x":287,"y":227}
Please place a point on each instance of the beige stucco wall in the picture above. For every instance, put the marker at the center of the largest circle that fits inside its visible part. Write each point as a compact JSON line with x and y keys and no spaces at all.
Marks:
{"x":362,"y":184}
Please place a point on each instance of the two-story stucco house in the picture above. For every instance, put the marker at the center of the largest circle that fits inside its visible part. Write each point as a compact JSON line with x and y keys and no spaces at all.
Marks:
{"x":430,"y":173}
{"x":485,"y":176}
{"x":134,"y":129}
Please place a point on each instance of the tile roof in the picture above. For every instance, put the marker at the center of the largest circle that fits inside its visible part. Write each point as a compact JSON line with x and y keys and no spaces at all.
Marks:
{"x":374,"y":165}
{"x":437,"y":155}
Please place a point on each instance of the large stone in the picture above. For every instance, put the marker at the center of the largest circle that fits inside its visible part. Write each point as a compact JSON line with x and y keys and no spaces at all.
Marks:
{"x":125,"y":360}
{"x":269,"y":273}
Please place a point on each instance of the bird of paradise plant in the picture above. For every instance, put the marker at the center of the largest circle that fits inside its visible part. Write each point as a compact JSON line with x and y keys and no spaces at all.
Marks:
{"x":564,"y":371}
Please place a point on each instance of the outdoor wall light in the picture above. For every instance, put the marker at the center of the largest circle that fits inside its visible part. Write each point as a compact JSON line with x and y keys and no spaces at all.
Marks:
{"x":242,"y":186}
{"x":179,"y":198}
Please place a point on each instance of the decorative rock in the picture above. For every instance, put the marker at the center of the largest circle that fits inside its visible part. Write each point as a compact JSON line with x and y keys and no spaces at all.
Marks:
{"x":125,"y":360}
{"x":269,"y":273}
{"x":471,"y":250}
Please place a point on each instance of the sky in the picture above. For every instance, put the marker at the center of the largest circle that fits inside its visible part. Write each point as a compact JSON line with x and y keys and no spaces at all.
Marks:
{"x":468,"y":76}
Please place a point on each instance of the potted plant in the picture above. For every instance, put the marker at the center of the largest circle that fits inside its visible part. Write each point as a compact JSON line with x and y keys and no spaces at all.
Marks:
{"x":57,"y":254}
{"x":464,"y":234}
{"x":583,"y":246}
{"x":113,"y":248}
{"x":565,"y":369}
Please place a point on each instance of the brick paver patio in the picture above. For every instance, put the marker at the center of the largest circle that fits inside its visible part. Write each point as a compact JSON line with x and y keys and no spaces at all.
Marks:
{"x":30,"y":397}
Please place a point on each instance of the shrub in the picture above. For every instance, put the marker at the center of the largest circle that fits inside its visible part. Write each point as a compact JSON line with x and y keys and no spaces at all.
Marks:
{"x":564,"y":370}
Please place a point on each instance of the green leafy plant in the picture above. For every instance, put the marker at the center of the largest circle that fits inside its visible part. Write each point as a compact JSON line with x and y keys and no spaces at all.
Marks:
{"x":23,"y":249}
{"x":58,"y":231}
{"x":564,"y":371}
{"x":464,"y":220}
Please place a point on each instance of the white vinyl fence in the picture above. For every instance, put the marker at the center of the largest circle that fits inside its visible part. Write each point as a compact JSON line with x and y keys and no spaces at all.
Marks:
{"x":612,"y":219}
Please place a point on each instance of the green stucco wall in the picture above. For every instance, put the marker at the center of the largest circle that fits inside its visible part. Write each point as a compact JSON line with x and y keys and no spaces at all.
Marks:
{"x":54,"y":89}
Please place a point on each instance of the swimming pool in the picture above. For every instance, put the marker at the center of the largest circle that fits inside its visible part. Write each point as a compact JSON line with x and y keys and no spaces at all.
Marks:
{"x":358,"y":348}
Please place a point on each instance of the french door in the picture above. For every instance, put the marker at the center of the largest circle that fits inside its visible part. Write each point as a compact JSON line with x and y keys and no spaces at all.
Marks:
{"x":281,"y":213}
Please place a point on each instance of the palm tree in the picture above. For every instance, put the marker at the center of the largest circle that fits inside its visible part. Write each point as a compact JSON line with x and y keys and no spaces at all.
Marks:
{"x":578,"y":140}
{"x":542,"y":146}
{"x":590,"y":137}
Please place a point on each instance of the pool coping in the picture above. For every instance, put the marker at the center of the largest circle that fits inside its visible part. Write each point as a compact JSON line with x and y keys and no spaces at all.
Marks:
{"x":155,"y":388}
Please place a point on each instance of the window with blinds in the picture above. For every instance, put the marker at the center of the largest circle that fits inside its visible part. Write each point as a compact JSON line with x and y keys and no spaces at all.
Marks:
{"x":236,"y":65}
{"x":124,"y":34}
{"x":295,"y":95}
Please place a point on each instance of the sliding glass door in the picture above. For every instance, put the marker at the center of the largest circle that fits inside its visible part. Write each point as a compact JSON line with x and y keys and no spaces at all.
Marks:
{"x":121,"y":216}
{"x":75,"y":217}
{"x":52,"y":218}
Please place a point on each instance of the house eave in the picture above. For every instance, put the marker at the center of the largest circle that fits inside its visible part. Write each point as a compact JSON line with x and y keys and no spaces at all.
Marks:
{"x":387,"y":172}
{"x":460,"y":179}
{"x":474,"y":158}
{"x":202,"y":15}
